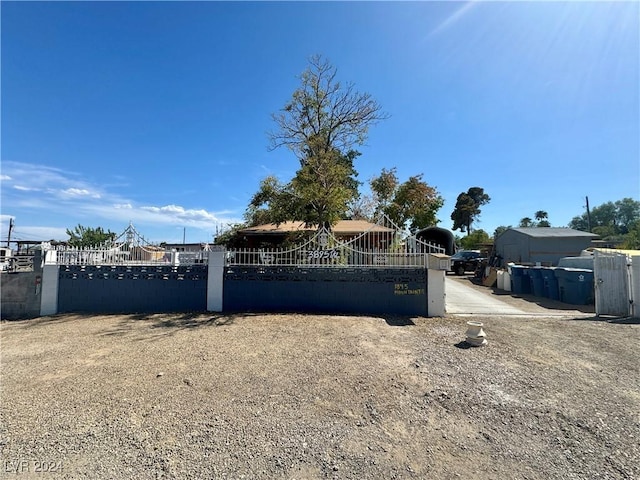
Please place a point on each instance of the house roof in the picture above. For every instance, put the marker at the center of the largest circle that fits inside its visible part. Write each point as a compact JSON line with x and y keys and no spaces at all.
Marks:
{"x":343,"y":227}
{"x":553,"y":232}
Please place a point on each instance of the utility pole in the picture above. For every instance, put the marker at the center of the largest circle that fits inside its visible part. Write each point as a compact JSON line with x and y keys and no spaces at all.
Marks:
{"x":588,"y":215}
{"x":10,"y":228}
{"x":184,"y":235}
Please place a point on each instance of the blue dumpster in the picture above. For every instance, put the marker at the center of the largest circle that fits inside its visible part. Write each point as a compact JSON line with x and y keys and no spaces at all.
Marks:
{"x":537,"y":282}
{"x":575,"y":285}
{"x":550,"y":284}
{"x":520,"y":279}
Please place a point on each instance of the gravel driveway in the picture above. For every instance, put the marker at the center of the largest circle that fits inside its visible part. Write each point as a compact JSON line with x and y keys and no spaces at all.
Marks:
{"x":311,"y":396}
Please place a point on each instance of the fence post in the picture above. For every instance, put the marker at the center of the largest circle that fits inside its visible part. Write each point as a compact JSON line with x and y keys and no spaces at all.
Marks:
{"x":49,"y":298}
{"x":215,"y":279}
{"x":437,"y":266}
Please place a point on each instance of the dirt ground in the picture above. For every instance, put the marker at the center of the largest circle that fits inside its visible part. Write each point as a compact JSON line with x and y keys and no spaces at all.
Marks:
{"x":311,"y":396}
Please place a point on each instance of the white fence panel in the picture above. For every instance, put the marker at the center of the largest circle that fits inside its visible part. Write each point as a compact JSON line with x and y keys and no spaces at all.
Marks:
{"x":635,"y":286}
{"x":611,"y":272}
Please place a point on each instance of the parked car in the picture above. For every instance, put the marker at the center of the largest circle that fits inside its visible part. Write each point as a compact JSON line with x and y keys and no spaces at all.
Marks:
{"x":466,"y":261}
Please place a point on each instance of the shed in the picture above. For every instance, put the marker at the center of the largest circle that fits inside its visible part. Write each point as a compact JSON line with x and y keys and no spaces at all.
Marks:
{"x":439,"y":236}
{"x":546,"y":245}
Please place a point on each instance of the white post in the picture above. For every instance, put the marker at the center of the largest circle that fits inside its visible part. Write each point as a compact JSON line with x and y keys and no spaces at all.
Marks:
{"x":49,"y":298}
{"x":438,"y":264}
{"x":435,"y":293}
{"x":215,"y":280}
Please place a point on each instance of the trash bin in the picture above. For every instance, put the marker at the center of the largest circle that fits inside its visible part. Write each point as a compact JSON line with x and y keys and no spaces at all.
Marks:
{"x":506,"y":281}
{"x":575,"y":285}
{"x":520,"y":279}
{"x":537,"y":282}
{"x":550,"y":286}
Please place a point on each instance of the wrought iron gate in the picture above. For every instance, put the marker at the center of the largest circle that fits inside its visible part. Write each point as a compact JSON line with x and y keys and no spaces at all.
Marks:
{"x":379,"y":271}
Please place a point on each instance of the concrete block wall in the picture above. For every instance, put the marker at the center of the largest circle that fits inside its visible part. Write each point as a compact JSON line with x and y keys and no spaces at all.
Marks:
{"x":33,"y":294}
{"x":21,"y":295}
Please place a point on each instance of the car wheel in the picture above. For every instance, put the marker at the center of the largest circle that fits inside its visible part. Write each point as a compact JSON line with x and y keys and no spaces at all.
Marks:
{"x":460,"y":270}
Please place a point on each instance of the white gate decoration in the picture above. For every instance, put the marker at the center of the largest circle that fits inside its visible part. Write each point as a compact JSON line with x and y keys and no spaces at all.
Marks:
{"x":383,"y":245}
{"x":129,"y":248}
{"x":612,"y":284}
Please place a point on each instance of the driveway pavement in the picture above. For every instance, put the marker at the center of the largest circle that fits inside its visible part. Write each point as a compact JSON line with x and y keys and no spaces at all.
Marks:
{"x":467,"y":298}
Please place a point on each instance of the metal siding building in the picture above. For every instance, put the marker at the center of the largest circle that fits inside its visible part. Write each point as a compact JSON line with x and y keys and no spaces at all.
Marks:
{"x":540,"y":244}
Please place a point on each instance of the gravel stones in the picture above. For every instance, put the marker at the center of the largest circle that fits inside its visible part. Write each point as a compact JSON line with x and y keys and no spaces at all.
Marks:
{"x":310,"y":396}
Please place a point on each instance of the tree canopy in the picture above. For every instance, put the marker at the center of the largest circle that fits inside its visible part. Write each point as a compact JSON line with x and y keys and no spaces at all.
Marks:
{"x":541,"y":220}
{"x":324,"y":114}
{"x":320,"y":193}
{"x":412,"y":204}
{"x":610,"y":218}
{"x":321,"y":124}
{"x":475,"y":240}
{"x":82,"y":236}
{"x":500,"y":230}
{"x":467,"y":209}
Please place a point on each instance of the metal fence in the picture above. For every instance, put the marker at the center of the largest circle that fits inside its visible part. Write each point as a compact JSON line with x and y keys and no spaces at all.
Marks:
{"x":126,"y":255}
{"x":19,"y":263}
{"x":381,"y":246}
{"x":129,"y":248}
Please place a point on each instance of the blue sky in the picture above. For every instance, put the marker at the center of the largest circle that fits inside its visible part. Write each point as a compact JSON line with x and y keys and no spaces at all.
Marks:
{"x":157,"y":112}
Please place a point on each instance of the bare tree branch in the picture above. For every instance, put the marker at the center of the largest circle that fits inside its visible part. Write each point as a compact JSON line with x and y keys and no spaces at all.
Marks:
{"x":323,"y":108}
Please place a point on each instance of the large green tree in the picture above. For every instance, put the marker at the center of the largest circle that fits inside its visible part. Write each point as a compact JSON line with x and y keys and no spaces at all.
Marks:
{"x":609,"y":218}
{"x":321,"y":124}
{"x":632,"y":239}
{"x":324,"y":114}
{"x":526,"y":222}
{"x":384,"y":187}
{"x":412,"y":204}
{"x":541,"y":220}
{"x":627,"y":214}
{"x":320,"y":193}
{"x":475,"y":240}
{"x":82,"y":236}
{"x":500,"y":230}
{"x":467,"y":209}
{"x":272,"y":203}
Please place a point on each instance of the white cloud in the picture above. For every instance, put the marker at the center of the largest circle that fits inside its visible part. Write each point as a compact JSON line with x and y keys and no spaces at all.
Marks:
{"x":66,"y":198}
{"x":5,"y":177}
{"x":42,"y":233}
{"x":38,"y":176}
{"x":79,"y":192}
{"x":25,"y":189}
{"x":178,"y":212}
{"x":76,"y":191}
